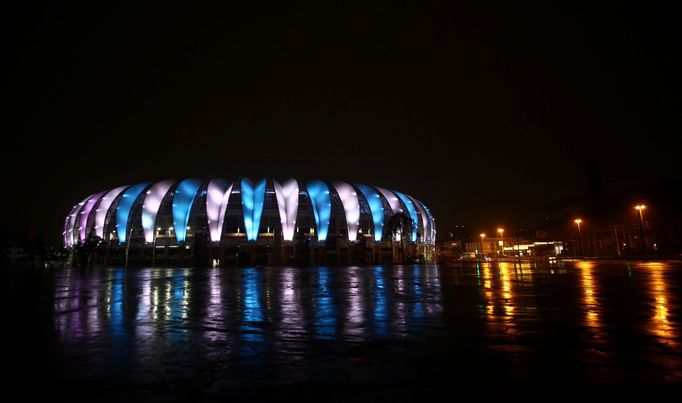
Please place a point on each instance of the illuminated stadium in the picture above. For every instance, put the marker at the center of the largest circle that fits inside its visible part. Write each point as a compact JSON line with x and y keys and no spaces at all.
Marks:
{"x":248,"y":222}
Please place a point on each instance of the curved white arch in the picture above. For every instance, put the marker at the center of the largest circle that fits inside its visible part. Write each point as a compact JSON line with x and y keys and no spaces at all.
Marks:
{"x":432,"y":225}
{"x":376,"y":208}
{"x":85,"y":215}
{"x":412,"y":213}
{"x":151,"y":205}
{"x":424,"y":219}
{"x":103,"y":209}
{"x":67,"y":227}
{"x":351,"y":206}
{"x":287,"y":202}
{"x":72,"y":221}
{"x":183,"y":198}
{"x":392,"y":199}
{"x":217,"y":198}
{"x":318,"y":191}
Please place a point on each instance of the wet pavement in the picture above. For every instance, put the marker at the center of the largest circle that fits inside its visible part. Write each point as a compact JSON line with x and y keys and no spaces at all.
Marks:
{"x":346,"y":333}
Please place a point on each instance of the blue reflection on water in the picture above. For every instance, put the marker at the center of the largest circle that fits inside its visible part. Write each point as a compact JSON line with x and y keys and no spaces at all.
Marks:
{"x":418,"y":307}
{"x":117,"y":315}
{"x":178,"y":304}
{"x":325,"y":316}
{"x":251,"y":332}
{"x":380,"y":305}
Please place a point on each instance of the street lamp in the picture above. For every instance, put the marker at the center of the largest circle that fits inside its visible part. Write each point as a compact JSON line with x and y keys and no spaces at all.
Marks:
{"x":482,"y":238}
{"x":640,"y":208}
{"x":501,"y":243}
{"x":578,"y":221}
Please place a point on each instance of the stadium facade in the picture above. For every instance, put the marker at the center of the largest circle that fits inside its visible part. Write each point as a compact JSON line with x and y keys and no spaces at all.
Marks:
{"x":248,"y":222}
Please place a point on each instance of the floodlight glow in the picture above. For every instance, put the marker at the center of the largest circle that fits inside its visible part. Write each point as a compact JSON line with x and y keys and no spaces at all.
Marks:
{"x":424,"y":219}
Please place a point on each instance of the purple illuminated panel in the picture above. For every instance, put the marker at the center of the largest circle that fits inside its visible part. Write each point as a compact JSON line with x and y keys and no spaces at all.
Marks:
{"x":151,"y":205}
{"x":103,"y":209}
{"x":85,"y":214}
{"x":217,"y":198}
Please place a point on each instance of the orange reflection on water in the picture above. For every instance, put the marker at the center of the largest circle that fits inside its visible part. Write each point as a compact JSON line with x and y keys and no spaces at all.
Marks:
{"x":488,"y":286}
{"x":660,"y":323}
{"x":590,"y":301}
{"x":506,"y":289}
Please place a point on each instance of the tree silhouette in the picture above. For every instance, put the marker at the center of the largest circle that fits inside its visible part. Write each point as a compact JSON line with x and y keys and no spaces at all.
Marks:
{"x":86,"y":251}
{"x":400,"y":224}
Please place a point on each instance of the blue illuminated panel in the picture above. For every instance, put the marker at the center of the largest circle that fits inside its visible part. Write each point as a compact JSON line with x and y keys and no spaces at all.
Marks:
{"x":322,"y":207}
{"x":377,"y":209}
{"x":253,"y":197}
{"x":182,"y":204}
{"x":123,"y":210}
{"x":413,"y":214}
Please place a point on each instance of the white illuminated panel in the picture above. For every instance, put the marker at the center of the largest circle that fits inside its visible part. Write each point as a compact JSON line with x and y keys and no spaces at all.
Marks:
{"x":103,"y":209}
{"x":351,"y":206}
{"x":392,"y":200}
{"x":151,"y":205}
{"x":217,"y":197}
{"x":71,"y":230}
{"x":287,"y":201}
{"x":424,"y":218}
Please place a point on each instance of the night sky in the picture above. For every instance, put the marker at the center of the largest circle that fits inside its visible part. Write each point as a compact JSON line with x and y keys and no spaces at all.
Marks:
{"x":486,"y":114}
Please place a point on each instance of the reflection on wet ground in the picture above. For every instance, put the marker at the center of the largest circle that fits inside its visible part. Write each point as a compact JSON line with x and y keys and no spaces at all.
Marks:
{"x":396,"y":330}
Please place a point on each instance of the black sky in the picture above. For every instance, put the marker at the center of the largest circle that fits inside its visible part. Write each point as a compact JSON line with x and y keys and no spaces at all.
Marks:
{"x":487,"y":113}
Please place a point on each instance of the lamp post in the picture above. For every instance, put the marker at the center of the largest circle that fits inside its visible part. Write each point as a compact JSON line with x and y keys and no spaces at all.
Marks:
{"x":501,"y":232}
{"x":130,"y":235}
{"x":578,"y":221}
{"x":640,"y":208}
{"x":482,"y":239}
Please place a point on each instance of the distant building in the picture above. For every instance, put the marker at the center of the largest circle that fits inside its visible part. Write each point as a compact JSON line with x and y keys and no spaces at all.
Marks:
{"x":508,"y":246}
